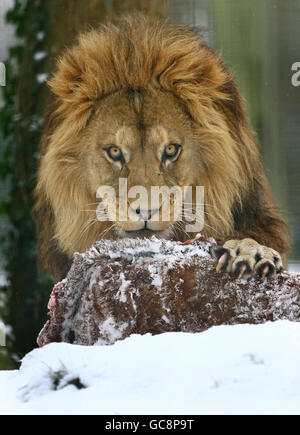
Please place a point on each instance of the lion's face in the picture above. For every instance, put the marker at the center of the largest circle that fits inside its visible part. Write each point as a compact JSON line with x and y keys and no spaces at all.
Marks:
{"x":150,"y":104}
{"x":143,"y":140}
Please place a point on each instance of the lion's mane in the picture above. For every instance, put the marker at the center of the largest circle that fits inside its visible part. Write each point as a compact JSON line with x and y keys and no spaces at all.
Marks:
{"x":138,"y":53}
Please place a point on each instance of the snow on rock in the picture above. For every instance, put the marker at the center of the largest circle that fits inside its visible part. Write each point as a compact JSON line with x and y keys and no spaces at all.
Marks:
{"x":226,"y":369}
{"x":123,"y":287}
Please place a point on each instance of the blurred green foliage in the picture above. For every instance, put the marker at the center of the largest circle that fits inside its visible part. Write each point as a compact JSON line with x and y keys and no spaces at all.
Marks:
{"x":27,"y":290}
{"x":45,"y":28}
{"x":260,"y":41}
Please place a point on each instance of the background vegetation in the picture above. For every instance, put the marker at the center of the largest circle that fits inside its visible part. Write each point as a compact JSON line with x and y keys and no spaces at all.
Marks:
{"x":259,"y":39}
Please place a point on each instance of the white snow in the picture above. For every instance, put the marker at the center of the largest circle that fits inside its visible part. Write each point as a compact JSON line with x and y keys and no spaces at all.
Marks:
{"x":42,"y":78}
{"x":40,"y":55}
{"x":226,"y":369}
{"x":40,"y":36}
{"x":121,"y":295}
{"x":112,"y":331}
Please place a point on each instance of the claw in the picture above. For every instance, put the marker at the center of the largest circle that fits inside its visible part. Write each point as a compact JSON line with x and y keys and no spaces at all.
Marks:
{"x":212,"y":241}
{"x":221,"y":262}
{"x":265,"y":271}
{"x":242,"y":271}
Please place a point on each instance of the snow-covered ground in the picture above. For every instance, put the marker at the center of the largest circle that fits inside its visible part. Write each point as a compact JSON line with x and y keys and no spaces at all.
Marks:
{"x":226,"y":369}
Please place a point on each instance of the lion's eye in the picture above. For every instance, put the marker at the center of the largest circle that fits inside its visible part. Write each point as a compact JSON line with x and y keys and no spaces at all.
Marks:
{"x":171,"y":151}
{"x":115,"y":154}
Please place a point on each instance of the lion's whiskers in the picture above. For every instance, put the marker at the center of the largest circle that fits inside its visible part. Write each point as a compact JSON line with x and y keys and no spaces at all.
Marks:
{"x":88,"y":225}
{"x":107,"y":229}
{"x":180,"y":224}
{"x":198,"y":215}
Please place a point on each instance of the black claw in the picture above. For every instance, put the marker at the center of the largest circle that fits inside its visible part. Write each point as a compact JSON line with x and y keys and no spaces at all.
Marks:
{"x":218,"y":251}
{"x":257,"y":257}
{"x":239,"y":266}
{"x":262,"y":266}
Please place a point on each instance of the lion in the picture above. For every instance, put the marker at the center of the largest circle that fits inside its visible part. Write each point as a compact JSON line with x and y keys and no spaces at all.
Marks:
{"x":149,"y":102}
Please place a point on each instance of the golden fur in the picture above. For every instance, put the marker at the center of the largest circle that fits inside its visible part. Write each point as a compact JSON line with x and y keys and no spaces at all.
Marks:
{"x":148,"y":83}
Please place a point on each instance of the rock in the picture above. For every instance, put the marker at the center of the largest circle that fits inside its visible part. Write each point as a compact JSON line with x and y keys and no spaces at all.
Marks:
{"x":138,"y":286}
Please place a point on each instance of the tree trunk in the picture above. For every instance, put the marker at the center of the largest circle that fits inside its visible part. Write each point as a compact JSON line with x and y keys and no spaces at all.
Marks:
{"x":70,"y":17}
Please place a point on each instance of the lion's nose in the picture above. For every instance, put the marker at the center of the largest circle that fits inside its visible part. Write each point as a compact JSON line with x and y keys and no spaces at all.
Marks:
{"x":146,"y":215}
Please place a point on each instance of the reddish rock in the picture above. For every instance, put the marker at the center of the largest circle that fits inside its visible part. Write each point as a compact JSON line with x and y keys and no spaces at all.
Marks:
{"x":133,"y":286}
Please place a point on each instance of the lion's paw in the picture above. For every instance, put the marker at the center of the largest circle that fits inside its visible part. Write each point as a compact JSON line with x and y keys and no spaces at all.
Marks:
{"x":246,"y":258}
